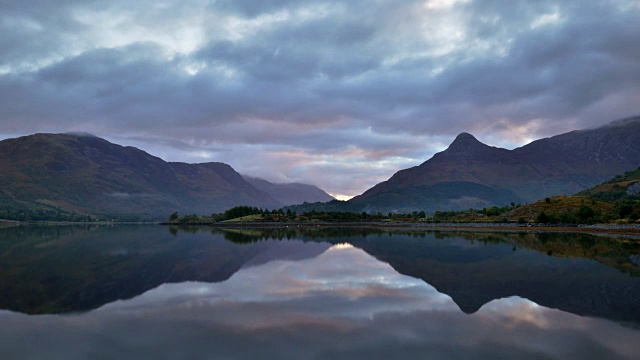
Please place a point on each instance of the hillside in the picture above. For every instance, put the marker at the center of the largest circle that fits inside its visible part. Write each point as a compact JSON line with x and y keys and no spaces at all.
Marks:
{"x":470,"y":174}
{"x":83,"y":174}
{"x":620,"y":187}
{"x":290,"y":193}
{"x":617,"y":199}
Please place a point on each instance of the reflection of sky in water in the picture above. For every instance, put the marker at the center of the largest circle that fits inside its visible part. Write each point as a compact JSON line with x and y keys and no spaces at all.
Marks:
{"x":341,"y":304}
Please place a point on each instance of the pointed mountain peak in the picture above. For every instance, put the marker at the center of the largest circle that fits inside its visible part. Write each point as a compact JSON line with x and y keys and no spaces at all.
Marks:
{"x":465,"y":141}
{"x":466,"y":146}
{"x":465,"y":137}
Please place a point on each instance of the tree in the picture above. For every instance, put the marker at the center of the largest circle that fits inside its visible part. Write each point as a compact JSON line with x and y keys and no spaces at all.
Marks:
{"x":625,"y":208}
{"x":174,"y":216}
{"x":585,"y":213}
{"x":193,"y":218}
{"x":542,"y":218}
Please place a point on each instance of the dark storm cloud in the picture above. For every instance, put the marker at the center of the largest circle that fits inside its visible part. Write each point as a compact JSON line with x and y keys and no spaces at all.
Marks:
{"x":302,"y":52}
{"x":333,"y":83}
{"x":581,"y":62}
{"x":33,"y":29}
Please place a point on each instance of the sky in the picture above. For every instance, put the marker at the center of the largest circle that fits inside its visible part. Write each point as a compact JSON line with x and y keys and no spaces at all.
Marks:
{"x":339,"y":94}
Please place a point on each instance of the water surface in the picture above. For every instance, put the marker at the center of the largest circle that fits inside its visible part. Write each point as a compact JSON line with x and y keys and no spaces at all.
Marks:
{"x":154,"y":292}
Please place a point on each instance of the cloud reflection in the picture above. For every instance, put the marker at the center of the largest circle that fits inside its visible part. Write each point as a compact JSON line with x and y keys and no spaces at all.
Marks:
{"x":341,"y":304}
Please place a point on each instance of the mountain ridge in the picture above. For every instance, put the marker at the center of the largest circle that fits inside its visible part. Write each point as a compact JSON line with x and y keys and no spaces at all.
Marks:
{"x":84,"y":174}
{"x":90,"y":175}
{"x":290,"y":193}
{"x":561,"y":164}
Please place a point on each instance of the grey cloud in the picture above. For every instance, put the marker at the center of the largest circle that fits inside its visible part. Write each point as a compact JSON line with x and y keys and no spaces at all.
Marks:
{"x":254,"y":8}
{"x":33,"y":30}
{"x":550,"y":73}
{"x":300,"y":54}
{"x":556,"y":70}
{"x":113,"y":85}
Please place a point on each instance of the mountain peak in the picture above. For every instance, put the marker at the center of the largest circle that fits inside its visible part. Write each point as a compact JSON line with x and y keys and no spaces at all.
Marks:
{"x":464,"y":136}
{"x":464,"y":142}
{"x":629,"y":121}
{"x":80,"y":134}
{"x":466,"y":147}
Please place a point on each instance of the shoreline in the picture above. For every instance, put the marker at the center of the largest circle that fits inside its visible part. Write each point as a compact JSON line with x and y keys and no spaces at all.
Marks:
{"x":8,"y":223}
{"x":630,"y":231}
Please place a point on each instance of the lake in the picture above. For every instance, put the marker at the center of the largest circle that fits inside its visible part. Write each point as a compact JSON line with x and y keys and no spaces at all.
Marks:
{"x":148,"y":291}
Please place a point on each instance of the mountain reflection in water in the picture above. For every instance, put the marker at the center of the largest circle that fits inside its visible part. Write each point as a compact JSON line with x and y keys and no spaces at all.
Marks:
{"x":327,"y":298}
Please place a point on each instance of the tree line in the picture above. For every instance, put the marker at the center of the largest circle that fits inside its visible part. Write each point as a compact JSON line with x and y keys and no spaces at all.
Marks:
{"x":281,"y":215}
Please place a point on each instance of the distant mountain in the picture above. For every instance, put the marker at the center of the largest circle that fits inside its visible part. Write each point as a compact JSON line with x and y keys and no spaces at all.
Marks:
{"x":471,"y":174}
{"x":88,"y":175}
{"x":290,"y":193}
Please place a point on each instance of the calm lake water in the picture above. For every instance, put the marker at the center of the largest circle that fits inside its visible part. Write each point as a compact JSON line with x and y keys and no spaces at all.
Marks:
{"x":120,"y":292}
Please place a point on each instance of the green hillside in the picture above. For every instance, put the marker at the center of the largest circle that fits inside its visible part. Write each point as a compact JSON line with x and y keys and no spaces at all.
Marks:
{"x":615,"y":200}
{"x":619,"y":188}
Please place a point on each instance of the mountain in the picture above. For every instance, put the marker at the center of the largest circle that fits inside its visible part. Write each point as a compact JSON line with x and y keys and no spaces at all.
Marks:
{"x":472,"y":174}
{"x":84,"y":174}
{"x":290,"y":193}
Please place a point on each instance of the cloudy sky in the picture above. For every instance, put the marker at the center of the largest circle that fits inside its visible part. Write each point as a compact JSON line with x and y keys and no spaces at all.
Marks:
{"x":340,"y":94}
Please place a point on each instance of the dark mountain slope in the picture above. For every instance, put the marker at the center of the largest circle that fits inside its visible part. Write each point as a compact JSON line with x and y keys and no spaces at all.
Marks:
{"x":290,"y":193}
{"x":472,"y":174}
{"x":89,"y":175}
